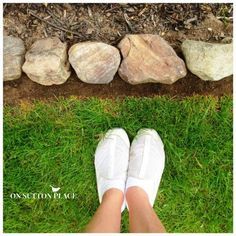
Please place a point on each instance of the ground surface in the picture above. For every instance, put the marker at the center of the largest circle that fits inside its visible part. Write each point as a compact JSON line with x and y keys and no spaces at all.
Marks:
{"x":109,"y":23}
{"x":53,"y":143}
{"x":26,"y":90}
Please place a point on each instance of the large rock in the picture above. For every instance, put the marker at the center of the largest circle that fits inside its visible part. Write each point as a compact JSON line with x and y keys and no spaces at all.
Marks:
{"x":94,"y":62}
{"x":149,"y":58}
{"x":209,"y":61}
{"x":46,"y":62}
{"x":13,"y":57}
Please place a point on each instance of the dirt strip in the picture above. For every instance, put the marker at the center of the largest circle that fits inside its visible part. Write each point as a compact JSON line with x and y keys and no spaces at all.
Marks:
{"x":24,"y":89}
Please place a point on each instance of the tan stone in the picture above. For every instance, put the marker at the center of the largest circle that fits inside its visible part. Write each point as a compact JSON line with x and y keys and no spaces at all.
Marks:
{"x":148,"y":58}
{"x":94,"y":62}
{"x":13,"y":57}
{"x":46,"y":62}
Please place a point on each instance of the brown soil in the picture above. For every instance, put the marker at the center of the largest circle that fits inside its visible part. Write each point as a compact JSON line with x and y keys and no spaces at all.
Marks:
{"x":25,"y":89}
{"x":109,"y":23}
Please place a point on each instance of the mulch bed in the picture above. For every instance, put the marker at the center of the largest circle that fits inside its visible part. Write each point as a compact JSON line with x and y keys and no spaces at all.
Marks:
{"x":109,"y":23}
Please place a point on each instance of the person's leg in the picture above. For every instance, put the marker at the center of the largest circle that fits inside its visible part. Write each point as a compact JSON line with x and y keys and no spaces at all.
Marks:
{"x":108,"y":215}
{"x":146,"y":165}
{"x":142,"y":217}
{"x":111,"y":165}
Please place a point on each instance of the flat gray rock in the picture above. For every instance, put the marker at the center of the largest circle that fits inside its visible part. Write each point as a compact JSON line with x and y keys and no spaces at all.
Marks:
{"x":13,"y":57}
{"x":46,"y":62}
{"x":94,"y":62}
{"x":209,"y":61}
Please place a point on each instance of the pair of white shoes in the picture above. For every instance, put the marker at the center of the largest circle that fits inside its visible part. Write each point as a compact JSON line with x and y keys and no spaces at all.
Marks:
{"x":121,"y":165}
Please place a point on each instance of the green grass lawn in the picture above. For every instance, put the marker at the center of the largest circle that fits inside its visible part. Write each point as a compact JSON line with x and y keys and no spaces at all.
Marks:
{"x":53,"y":143}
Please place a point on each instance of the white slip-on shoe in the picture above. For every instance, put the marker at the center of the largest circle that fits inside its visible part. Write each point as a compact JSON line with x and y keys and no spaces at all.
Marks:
{"x":146,"y":164}
{"x":111,"y":161}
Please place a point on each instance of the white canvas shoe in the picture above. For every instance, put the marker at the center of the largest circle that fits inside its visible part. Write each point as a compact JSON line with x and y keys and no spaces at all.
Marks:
{"x":111,"y":161}
{"x":147,"y":161}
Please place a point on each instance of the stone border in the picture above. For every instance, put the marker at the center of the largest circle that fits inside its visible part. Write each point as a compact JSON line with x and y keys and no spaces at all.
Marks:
{"x":146,"y":58}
